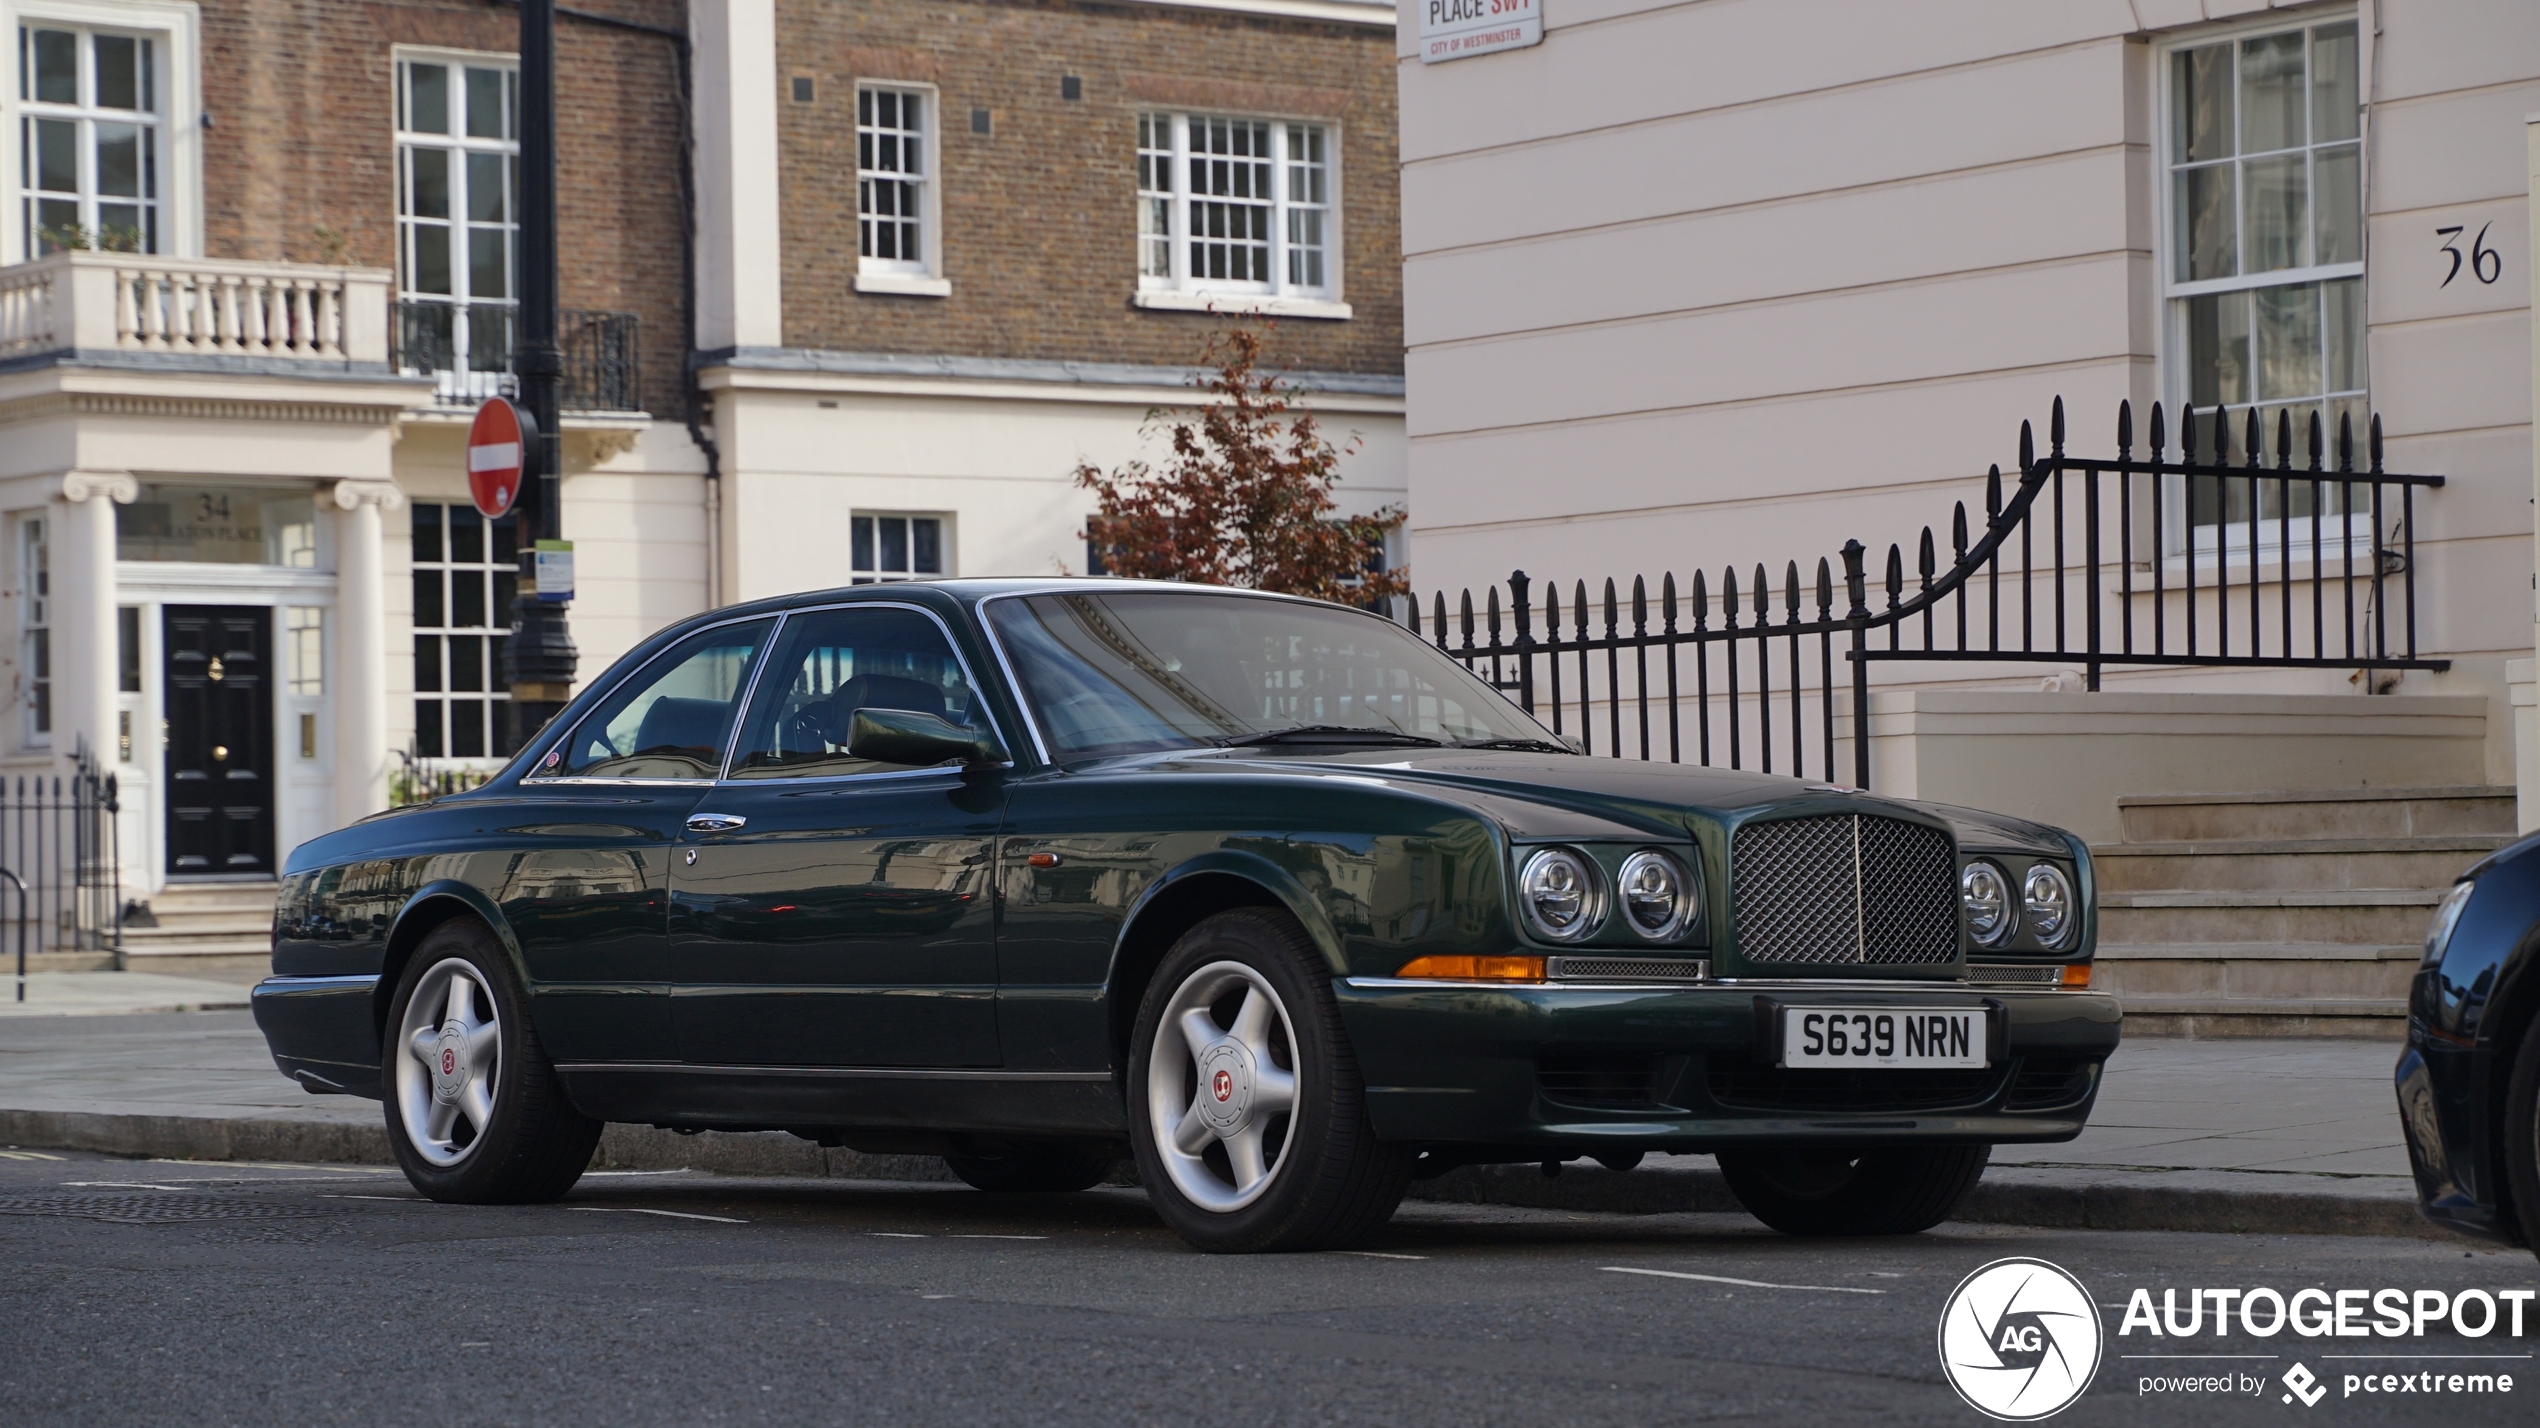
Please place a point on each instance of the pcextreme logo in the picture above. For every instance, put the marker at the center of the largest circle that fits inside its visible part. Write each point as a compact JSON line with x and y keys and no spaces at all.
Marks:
{"x":2020,"y":1340}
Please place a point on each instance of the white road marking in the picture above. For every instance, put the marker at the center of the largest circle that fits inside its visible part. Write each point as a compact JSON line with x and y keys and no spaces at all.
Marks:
{"x":593,"y":1174}
{"x":1744,"y":1283}
{"x":894,"y":1235}
{"x":26,"y":1155}
{"x":996,"y":1237}
{"x":667,"y":1214}
{"x":1379,"y":1254}
{"x":125,"y":1185}
{"x":934,"y":1296}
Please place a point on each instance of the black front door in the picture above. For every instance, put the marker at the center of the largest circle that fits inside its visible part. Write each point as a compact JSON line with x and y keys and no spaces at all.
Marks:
{"x":219,"y":739}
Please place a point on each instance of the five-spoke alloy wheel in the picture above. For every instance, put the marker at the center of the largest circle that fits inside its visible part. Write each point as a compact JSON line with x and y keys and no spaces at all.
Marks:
{"x":1247,"y":1115}
{"x":475,"y":1112}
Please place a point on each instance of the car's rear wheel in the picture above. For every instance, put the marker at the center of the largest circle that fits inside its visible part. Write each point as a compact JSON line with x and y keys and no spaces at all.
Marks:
{"x":1246,"y":1112}
{"x":1839,"y":1191}
{"x":2522,"y":1135}
{"x":1059,"y":1169}
{"x":475,"y":1112}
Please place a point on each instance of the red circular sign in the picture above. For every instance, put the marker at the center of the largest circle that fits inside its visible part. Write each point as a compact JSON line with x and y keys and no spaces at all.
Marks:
{"x":497,"y":453}
{"x":1223,"y":1086}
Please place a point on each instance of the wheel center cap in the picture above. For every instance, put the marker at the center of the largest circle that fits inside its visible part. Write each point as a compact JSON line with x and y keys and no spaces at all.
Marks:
{"x":1225,"y":1079}
{"x":449,"y":1063}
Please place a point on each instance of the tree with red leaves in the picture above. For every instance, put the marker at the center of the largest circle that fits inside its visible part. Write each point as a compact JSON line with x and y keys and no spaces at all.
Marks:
{"x":1246,"y":499}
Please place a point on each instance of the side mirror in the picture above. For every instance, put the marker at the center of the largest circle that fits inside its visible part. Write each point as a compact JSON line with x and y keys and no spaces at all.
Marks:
{"x":905,"y":736}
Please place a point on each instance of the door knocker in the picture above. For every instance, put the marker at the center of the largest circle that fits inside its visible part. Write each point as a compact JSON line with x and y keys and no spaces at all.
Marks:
{"x":216,"y":671}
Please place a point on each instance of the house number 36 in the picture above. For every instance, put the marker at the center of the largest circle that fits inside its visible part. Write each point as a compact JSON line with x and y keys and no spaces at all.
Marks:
{"x":2485,"y":263}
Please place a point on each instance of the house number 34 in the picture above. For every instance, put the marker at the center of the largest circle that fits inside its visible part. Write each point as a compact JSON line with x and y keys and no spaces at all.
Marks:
{"x":2485,"y":263}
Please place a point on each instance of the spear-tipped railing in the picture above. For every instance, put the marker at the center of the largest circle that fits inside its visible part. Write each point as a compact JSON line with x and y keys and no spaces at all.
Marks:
{"x":2194,"y":531}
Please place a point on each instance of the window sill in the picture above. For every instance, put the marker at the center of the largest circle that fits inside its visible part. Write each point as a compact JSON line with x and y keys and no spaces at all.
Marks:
{"x":903,"y":285}
{"x":1244,"y":304}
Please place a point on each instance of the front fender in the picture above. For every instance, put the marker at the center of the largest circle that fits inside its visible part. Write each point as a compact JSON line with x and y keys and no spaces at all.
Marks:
{"x":1255,"y":868}
{"x":431,"y":905}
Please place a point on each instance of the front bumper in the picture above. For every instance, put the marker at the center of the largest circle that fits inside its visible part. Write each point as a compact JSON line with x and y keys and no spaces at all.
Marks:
{"x":1520,"y":1067}
{"x":323,"y":1031}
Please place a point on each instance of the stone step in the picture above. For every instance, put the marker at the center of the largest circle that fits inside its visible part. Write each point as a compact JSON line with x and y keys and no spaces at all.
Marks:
{"x":225,"y":924}
{"x":2372,"y":917}
{"x":242,"y":966}
{"x":166,"y":939}
{"x":2292,"y":864}
{"x":2341,"y":813}
{"x":2257,"y":971}
{"x":136,"y":952}
{"x":184,"y":898}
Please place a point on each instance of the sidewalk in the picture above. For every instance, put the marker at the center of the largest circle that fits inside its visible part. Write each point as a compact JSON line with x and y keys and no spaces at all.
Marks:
{"x":2287,"y":1137}
{"x":109,"y":993}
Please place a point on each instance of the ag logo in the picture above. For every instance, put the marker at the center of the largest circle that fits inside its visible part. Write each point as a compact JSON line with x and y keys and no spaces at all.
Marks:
{"x":2020,"y":1339}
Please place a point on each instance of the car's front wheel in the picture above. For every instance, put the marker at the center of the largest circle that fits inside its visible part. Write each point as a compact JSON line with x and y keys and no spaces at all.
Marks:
{"x":1838,"y":1191}
{"x":475,"y":1112}
{"x":1246,"y":1111}
{"x":2522,"y":1135}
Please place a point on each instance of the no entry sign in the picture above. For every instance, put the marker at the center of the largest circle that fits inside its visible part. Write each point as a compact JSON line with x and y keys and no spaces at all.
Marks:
{"x":499,"y":443}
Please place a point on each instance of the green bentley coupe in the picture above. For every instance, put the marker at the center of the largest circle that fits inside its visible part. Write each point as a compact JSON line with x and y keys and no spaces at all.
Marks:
{"x":1269,"y":893}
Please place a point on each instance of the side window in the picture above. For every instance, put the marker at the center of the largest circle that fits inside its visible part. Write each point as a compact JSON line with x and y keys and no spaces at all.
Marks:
{"x":831,"y":663}
{"x":673,"y":717}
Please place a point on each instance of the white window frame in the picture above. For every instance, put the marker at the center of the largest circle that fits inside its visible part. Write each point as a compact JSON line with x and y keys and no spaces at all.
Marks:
{"x":459,"y":384}
{"x":901,"y":277}
{"x":174,"y":29}
{"x":490,"y":700}
{"x":1181,"y":291}
{"x":2174,"y":370}
{"x":874,"y":574}
{"x":37,"y":681}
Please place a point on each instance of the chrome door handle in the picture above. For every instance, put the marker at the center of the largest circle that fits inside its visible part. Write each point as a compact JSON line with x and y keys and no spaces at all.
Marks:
{"x":714,"y":822}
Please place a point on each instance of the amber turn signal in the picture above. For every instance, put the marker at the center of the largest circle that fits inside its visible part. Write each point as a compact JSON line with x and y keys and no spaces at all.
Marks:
{"x":2076,"y":974}
{"x":1474,"y":969}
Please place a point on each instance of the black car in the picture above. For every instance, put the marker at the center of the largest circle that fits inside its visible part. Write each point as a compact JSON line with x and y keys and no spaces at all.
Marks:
{"x":2469,"y":1080}
{"x":1273,"y":895}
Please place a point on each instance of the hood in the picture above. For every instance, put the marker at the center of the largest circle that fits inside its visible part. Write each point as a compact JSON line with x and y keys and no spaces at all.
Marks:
{"x":1535,"y":795}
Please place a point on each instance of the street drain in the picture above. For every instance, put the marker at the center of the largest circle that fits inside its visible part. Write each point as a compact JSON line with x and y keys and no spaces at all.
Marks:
{"x":153,"y":1209}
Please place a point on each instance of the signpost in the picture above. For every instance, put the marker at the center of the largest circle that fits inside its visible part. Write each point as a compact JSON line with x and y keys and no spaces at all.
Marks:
{"x":1460,"y":29}
{"x":501,"y":444}
{"x":539,"y":658}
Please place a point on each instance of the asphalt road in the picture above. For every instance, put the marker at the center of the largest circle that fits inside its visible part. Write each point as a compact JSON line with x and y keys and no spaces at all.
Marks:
{"x":311,"y":1294}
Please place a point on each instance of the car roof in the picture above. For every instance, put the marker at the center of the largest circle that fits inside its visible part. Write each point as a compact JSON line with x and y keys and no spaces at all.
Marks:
{"x":971,"y":590}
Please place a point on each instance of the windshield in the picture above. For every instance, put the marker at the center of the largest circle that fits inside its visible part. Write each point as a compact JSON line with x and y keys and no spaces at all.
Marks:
{"x":1120,"y":672}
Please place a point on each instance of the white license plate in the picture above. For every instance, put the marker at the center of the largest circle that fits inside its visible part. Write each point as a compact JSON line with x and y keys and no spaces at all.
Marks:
{"x":1883,"y":1036}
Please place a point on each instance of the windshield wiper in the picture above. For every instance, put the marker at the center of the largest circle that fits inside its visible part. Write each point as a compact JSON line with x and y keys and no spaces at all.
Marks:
{"x":1522,"y":746}
{"x":1328,"y":734}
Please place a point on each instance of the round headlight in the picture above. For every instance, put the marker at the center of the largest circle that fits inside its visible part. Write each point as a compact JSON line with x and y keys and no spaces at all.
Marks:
{"x":1986,"y":895}
{"x":1658,"y":895}
{"x":2047,"y":896}
{"x":1558,"y":891}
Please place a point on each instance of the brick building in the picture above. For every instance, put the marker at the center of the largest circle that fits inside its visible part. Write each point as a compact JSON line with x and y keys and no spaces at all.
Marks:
{"x":938,"y":252}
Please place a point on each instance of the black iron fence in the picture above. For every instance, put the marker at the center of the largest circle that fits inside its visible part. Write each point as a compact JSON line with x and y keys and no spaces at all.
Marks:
{"x":421,"y":780}
{"x":2199,"y":557}
{"x":57,"y":838}
{"x":467,"y":348}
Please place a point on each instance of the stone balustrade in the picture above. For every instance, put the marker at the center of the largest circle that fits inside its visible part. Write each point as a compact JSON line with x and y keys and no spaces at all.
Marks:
{"x":90,"y":302}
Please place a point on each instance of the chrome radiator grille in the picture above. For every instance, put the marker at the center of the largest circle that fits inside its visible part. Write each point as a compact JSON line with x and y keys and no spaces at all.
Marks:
{"x":1846,"y":888}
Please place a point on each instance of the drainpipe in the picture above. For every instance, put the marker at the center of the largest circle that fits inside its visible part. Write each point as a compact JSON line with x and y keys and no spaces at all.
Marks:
{"x":2526,"y":715}
{"x":694,"y":394}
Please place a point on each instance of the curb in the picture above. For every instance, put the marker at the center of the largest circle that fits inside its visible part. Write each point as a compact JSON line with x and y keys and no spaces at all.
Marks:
{"x":2219,"y":1202}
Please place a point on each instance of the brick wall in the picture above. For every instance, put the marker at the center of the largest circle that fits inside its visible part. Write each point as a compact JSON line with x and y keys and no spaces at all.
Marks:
{"x":1040,"y":219}
{"x":300,"y":92}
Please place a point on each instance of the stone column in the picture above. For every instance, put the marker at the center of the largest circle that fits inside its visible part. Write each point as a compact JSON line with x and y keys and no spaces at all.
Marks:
{"x":83,"y":615}
{"x":361,"y":648}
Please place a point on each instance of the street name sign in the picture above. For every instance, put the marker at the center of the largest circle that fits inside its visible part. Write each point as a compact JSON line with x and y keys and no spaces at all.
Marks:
{"x":498,"y":445}
{"x":1460,"y":29}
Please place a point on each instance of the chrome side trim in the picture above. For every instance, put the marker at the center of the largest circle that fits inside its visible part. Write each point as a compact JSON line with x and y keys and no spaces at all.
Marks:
{"x":844,"y":1073}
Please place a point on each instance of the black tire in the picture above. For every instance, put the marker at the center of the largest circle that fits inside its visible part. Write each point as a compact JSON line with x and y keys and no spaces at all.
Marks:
{"x":1898,"y":1191}
{"x":1331,"y":1182}
{"x":1060,"y":1169}
{"x":533,"y":1144}
{"x":2522,"y":1136}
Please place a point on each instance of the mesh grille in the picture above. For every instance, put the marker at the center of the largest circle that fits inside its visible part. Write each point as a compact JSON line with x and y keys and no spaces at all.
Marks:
{"x":1602,"y":1081}
{"x":1630,"y":969}
{"x":1845,"y":888}
{"x":2051,"y":975}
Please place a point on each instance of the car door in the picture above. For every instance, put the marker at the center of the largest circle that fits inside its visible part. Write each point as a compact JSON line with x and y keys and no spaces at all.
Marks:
{"x":591,"y":832}
{"x":831,"y":911}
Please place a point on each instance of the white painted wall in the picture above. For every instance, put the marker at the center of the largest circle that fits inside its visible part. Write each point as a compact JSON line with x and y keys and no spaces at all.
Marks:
{"x":1693,"y":283}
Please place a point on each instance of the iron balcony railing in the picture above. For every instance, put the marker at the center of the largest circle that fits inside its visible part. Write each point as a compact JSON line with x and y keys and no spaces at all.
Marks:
{"x":2189,"y":558}
{"x":467,"y":348}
